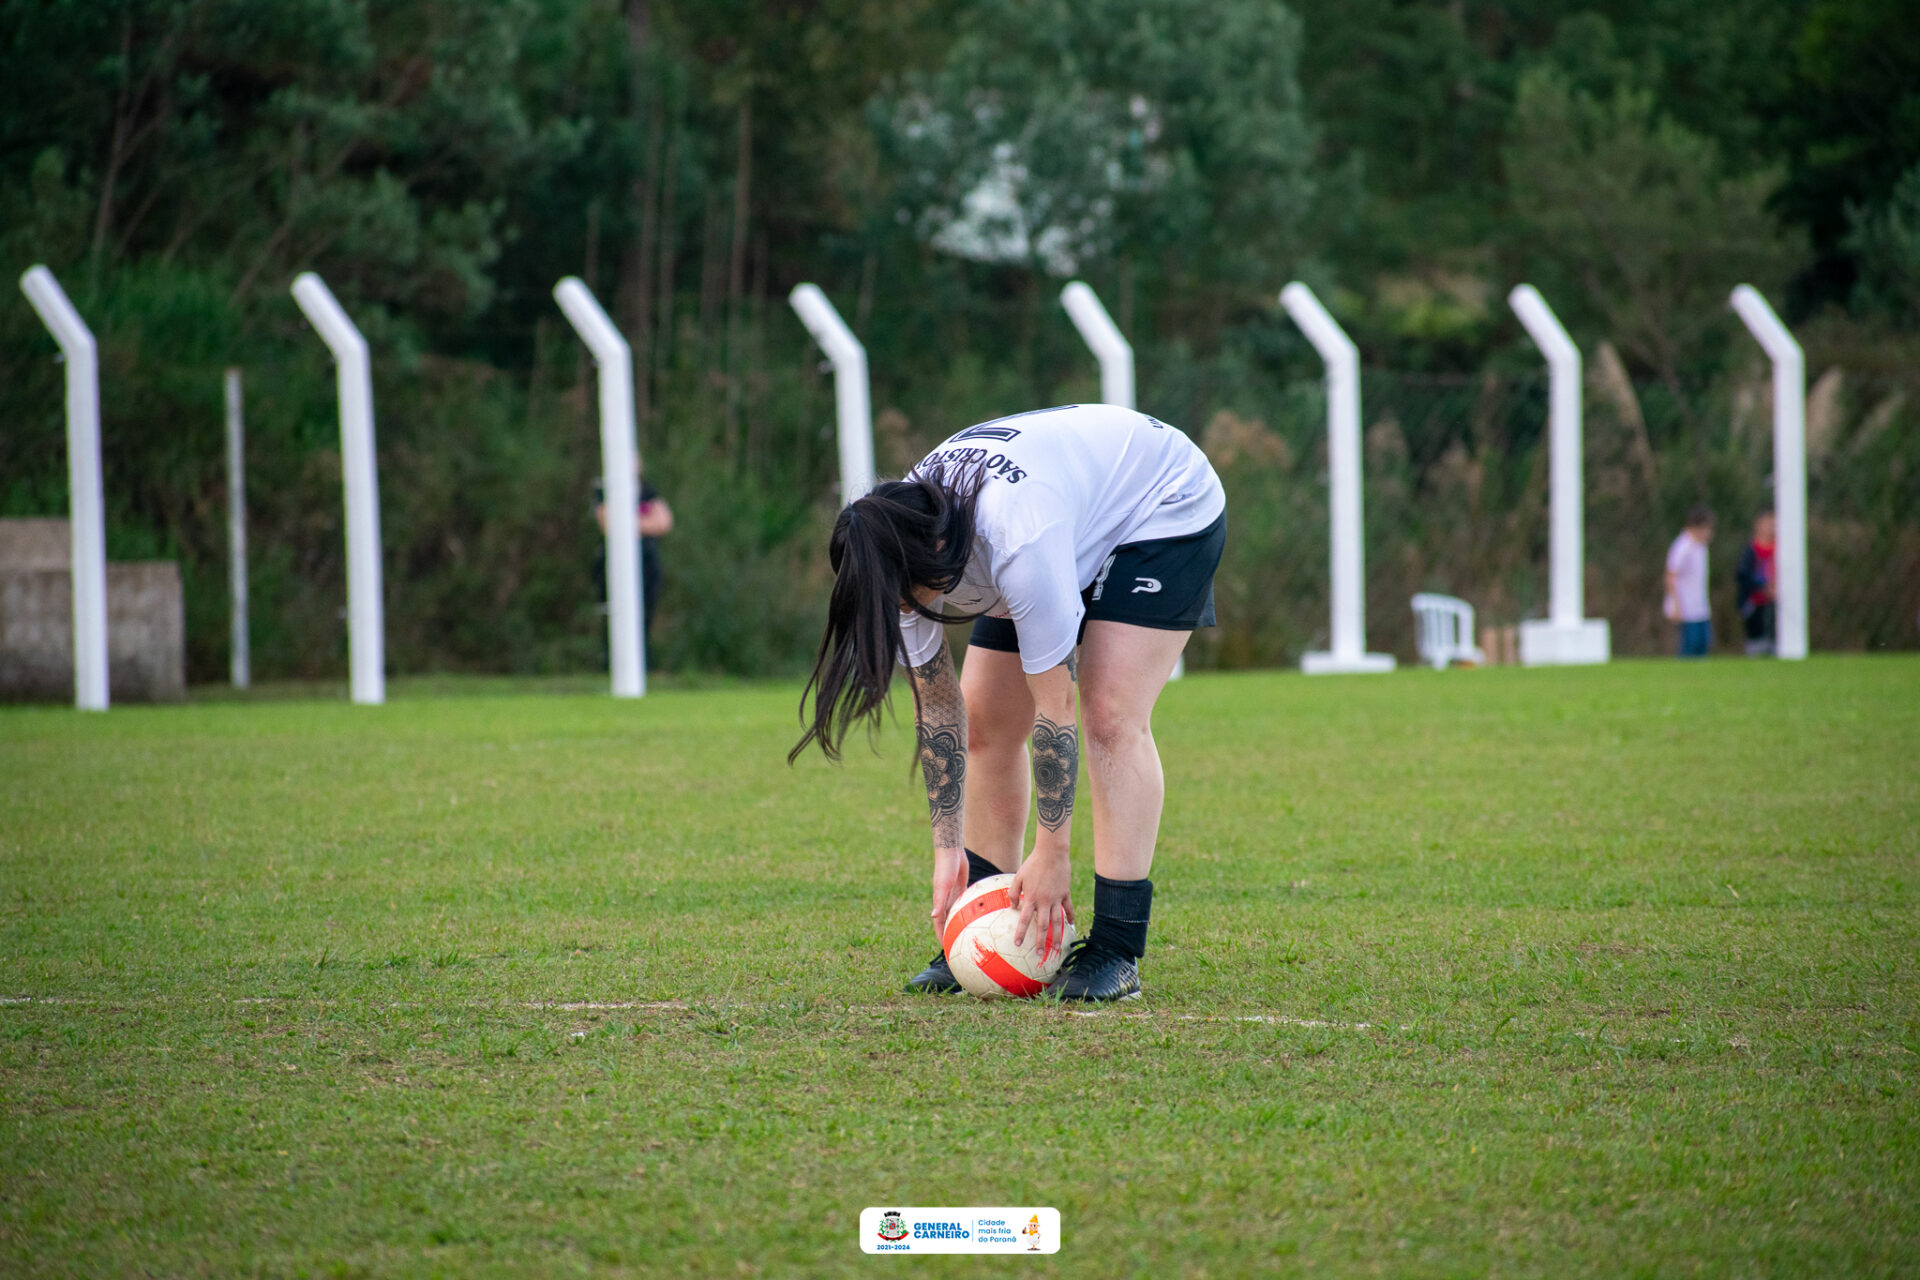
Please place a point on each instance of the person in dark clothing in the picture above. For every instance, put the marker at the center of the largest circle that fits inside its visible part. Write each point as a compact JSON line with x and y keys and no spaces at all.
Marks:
{"x":654,"y":521}
{"x":1756,"y":586}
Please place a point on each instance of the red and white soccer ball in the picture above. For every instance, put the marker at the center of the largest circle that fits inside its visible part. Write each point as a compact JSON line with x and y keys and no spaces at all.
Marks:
{"x":980,"y":947}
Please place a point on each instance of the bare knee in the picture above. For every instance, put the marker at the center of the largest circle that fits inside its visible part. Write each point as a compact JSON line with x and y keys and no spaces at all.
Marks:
{"x":1111,"y":729}
{"x":989,"y":735}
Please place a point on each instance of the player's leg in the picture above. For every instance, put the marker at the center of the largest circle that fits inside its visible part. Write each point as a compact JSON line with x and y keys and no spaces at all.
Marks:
{"x":999,"y":726}
{"x":999,"y":722}
{"x":1147,"y":600}
{"x":1122,"y":671}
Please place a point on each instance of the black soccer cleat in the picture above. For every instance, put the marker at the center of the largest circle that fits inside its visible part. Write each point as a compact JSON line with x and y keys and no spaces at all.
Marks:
{"x":935,"y":979}
{"x":1095,"y":973}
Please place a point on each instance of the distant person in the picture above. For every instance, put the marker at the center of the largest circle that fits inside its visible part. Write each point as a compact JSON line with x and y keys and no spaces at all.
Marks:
{"x":1686,"y":601}
{"x":654,"y":521}
{"x":1758,"y":589}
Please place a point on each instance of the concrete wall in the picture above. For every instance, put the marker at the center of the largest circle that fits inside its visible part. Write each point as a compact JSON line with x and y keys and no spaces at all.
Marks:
{"x":146,"y":621}
{"x":35,"y":544}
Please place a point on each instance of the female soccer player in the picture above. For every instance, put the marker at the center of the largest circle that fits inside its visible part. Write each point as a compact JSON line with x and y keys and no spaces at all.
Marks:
{"x":1083,"y":526}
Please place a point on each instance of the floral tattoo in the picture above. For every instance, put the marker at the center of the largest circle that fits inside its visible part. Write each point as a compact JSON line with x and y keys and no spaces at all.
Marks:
{"x":1056,"y":767}
{"x":942,"y":723}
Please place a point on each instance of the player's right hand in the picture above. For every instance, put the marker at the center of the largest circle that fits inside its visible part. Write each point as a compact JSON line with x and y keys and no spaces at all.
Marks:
{"x":1043,"y":893}
{"x":949,"y":882}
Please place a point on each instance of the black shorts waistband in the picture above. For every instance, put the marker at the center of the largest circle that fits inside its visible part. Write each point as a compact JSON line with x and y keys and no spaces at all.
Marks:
{"x":1164,"y":583}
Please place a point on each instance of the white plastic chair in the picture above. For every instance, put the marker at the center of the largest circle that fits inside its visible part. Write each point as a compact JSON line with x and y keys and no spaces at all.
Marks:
{"x":1446,"y":631}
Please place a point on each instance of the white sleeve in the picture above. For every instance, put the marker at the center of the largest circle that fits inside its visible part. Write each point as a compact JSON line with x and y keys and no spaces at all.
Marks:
{"x":922,"y":637}
{"x":1042,"y":592}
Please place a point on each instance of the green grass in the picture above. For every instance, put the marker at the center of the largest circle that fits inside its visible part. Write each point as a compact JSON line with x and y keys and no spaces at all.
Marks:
{"x":1606,"y":972}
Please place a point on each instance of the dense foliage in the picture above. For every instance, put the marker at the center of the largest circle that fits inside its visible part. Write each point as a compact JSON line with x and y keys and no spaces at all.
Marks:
{"x":940,"y":168}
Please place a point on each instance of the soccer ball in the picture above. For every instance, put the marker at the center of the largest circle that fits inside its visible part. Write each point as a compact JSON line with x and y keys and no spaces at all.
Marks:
{"x":980,"y":948}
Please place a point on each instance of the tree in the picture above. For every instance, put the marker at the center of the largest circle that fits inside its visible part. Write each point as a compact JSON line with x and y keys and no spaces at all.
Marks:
{"x":1849,"y":122}
{"x":1163,"y":132}
{"x":1885,"y":244}
{"x":374,"y":143}
{"x":1640,"y":216}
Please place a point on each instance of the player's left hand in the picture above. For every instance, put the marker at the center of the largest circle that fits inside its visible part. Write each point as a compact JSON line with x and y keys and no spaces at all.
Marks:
{"x":1042,"y":891}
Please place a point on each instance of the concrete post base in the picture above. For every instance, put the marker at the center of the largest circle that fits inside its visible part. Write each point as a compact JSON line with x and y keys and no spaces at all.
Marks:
{"x":1542,"y":644}
{"x":1329,"y":664}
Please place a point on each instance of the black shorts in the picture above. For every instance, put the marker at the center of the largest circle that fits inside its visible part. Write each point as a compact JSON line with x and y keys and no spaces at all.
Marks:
{"x":1166,"y":584}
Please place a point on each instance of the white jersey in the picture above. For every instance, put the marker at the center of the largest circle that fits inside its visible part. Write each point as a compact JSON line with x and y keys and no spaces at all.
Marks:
{"x":1062,"y":489}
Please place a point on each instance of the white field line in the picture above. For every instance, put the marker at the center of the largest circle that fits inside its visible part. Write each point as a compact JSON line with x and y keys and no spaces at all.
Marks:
{"x":678,"y":1005}
{"x":681,"y":1006}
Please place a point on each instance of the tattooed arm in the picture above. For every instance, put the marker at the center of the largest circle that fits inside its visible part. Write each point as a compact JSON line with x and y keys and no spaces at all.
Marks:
{"x":941,"y":719}
{"x":1041,"y":890}
{"x":1056,"y":768}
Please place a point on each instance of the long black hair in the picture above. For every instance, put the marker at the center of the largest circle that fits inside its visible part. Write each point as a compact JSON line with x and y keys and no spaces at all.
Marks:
{"x":916,"y":532}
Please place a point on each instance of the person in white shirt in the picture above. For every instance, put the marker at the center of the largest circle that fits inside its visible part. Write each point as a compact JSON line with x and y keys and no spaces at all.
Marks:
{"x":1084,"y":528}
{"x":1686,"y":601}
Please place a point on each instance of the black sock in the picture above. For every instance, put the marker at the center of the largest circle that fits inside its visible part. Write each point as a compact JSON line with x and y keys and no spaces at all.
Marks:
{"x":978,"y":869}
{"x":1121,"y":909}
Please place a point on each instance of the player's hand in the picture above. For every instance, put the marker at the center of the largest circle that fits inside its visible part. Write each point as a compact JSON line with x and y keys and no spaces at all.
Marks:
{"x":949,"y":882}
{"x":1042,"y":890}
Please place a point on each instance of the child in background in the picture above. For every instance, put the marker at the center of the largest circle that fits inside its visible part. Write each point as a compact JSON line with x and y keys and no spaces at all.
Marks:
{"x":1756,"y":588}
{"x":1686,"y":601}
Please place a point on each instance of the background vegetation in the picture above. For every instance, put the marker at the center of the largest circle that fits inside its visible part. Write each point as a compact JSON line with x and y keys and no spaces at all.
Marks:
{"x":939,"y":167}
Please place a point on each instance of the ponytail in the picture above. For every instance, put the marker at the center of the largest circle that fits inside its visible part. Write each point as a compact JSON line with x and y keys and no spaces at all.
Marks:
{"x":916,"y":532}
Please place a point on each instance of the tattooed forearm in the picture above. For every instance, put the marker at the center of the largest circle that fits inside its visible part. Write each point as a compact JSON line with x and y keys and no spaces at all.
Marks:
{"x":943,"y":762}
{"x":1056,"y":767}
{"x":942,"y":718}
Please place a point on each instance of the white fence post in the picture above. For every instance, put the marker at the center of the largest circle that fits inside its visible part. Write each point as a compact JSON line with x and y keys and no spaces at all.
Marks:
{"x":851,"y":396}
{"x":366,"y":637}
{"x":1567,"y":636}
{"x":85,"y":501}
{"x":1342,"y":358}
{"x":86,"y":506}
{"x":1115,"y":354}
{"x":1789,"y":469}
{"x":241,"y":660}
{"x":1103,"y":337}
{"x":626,"y":639}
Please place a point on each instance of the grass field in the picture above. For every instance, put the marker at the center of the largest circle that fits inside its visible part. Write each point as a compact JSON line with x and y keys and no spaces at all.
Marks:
{"x":1520,"y":973}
